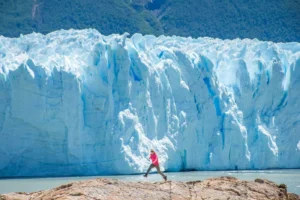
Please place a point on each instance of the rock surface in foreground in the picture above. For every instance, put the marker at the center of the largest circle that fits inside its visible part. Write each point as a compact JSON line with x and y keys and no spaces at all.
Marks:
{"x":215,"y":188}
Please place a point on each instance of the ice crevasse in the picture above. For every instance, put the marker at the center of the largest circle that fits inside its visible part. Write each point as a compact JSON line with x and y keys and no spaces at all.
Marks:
{"x":75,"y":102}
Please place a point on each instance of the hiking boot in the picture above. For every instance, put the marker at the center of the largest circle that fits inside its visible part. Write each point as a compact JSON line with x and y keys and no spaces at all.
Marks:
{"x":165,"y":177}
{"x":145,"y":175}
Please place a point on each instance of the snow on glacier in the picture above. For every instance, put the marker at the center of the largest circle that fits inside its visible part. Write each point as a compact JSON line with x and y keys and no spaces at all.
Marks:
{"x":80,"y":103}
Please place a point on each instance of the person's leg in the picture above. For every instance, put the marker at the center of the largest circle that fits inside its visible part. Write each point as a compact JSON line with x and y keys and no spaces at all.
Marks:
{"x":150,"y":167}
{"x":158,"y":170}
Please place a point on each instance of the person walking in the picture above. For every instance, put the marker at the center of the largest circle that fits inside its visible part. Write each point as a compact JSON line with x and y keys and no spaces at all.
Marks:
{"x":155,"y":164}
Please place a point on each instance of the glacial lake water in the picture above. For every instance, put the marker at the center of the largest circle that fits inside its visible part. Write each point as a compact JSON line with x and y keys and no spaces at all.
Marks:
{"x":289,"y":177}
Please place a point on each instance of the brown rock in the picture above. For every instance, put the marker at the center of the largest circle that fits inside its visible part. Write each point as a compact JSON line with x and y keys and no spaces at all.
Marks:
{"x":292,"y":196}
{"x":222,"y":188}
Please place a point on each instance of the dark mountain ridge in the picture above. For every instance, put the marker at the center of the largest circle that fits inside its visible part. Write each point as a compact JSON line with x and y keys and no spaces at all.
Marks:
{"x":274,"y":20}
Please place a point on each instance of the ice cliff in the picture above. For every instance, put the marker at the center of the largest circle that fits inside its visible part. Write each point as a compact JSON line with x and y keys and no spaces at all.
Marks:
{"x":80,"y":103}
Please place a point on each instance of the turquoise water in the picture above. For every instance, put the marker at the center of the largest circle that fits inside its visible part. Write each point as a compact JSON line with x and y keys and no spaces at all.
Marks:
{"x":289,"y":177}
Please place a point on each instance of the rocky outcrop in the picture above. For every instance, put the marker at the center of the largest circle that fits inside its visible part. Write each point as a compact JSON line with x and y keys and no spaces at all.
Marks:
{"x":215,"y":188}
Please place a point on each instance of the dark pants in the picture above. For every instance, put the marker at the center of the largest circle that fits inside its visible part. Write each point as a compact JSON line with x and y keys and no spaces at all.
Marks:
{"x":157,"y":168}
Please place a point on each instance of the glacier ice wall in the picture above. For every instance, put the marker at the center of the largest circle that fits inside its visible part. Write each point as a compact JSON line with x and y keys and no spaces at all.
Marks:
{"x":80,"y":103}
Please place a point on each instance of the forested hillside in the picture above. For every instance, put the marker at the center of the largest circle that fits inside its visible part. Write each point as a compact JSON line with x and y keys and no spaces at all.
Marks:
{"x":266,"y":20}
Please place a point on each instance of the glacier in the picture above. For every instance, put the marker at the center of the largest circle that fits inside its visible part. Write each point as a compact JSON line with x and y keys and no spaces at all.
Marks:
{"x":75,"y":102}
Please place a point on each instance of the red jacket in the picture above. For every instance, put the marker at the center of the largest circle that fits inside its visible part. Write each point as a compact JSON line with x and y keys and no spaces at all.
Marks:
{"x":154,"y":159}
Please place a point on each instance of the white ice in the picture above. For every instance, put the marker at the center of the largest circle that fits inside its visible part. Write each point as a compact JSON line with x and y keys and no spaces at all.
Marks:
{"x":80,"y":103}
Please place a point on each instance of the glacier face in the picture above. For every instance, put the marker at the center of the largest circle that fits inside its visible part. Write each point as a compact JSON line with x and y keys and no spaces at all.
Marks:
{"x":80,"y":103}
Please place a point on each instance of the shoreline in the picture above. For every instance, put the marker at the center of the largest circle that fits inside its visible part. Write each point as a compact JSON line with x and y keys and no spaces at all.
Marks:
{"x":136,"y":174}
{"x":289,"y":177}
